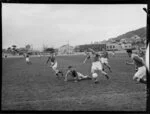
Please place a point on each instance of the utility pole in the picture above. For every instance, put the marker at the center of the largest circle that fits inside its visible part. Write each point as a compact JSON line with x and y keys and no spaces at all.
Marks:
{"x":68,"y":47}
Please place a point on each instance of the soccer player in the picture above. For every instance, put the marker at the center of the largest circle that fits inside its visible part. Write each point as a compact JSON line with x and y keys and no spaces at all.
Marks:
{"x":141,"y":54}
{"x":39,"y":55}
{"x":76,"y":75}
{"x":104,"y":59}
{"x":5,"y":56}
{"x":147,"y":57}
{"x":28,"y":59}
{"x":113,"y":53}
{"x":141,"y":73}
{"x":96,"y":64}
{"x":53,"y":64}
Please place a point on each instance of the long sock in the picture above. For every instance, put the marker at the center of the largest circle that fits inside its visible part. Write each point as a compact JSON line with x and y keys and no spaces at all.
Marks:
{"x":105,"y":74}
{"x":109,"y":68}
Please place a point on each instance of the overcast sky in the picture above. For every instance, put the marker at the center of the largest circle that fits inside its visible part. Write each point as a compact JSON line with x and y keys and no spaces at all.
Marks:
{"x":55,"y":24}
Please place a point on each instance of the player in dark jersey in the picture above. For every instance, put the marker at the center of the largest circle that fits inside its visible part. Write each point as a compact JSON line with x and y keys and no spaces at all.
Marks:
{"x":96,"y":64}
{"x":140,"y":75}
{"x":141,"y":54}
{"x":76,"y":75}
{"x":104,"y":59}
{"x":5,"y":56}
{"x":53,"y":65}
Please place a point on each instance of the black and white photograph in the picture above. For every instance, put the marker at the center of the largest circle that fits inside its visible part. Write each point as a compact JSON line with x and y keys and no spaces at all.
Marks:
{"x":74,"y":57}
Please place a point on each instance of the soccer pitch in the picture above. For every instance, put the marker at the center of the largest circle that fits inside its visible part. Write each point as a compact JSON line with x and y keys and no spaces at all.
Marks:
{"x":35,"y":87}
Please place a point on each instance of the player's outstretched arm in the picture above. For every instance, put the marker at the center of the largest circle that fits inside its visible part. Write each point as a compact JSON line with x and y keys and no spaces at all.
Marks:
{"x":85,"y":60}
{"x":48,"y":60}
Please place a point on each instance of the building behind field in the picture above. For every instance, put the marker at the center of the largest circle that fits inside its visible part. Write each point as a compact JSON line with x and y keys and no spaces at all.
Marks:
{"x":95,"y":47}
{"x":126,"y":46}
{"x":66,"y":49}
{"x":113,"y":46}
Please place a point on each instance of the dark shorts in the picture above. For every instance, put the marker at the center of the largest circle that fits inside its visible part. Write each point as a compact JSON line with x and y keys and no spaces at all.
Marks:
{"x":74,"y":74}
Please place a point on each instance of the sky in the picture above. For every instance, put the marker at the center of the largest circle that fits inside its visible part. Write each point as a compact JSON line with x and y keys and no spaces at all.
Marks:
{"x":55,"y":25}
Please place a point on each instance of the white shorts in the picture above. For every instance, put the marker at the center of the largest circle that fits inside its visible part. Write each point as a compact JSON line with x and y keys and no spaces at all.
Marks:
{"x":27,"y":60}
{"x":81,"y":76}
{"x":96,"y":66}
{"x":54,"y":67}
{"x":147,"y":57}
{"x":113,"y":54}
{"x":140,"y":73}
{"x":104,"y":60}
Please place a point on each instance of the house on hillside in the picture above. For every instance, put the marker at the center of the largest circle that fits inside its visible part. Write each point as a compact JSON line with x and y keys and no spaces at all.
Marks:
{"x":129,"y":40}
{"x":126,"y":46}
{"x":136,"y":38}
{"x":113,"y":46}
{"x":103,"y":42}
{"x":123,"y":41}
{"x":66,"y":49}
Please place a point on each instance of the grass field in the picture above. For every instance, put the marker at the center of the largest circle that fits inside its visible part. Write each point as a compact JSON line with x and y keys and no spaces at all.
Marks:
{"x":35,"y":87}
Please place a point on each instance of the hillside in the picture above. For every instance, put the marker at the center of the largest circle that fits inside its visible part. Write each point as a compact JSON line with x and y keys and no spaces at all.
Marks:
{"x":140,"y":32}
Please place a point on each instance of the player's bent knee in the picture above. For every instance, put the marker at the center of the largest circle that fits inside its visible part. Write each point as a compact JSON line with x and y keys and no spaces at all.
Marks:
{"x":135,"y":78}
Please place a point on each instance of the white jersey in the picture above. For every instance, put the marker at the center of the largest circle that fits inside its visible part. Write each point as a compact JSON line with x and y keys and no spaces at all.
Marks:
{"x":147,"y":57}
{"x":27,"y":59}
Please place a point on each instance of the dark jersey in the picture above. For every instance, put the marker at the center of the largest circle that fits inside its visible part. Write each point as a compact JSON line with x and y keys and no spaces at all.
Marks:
{"x":137,"y":60}
{"x":52,"y":59}
{"x":105,"y":54}
{"x":94,"y":57}
{"x":27,"y":55}
{"x":73,"y":73}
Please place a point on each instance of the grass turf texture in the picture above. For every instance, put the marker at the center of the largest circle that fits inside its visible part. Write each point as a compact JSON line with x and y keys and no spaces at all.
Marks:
{"x":35,"y":87}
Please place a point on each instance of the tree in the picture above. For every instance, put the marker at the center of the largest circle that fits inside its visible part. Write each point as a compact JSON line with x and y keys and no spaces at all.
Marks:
{"x":51,"y":50}
{"x":28,"y":47}
{"x":14,"y":49}
{"x":9,"y":50}
{"x":14,"y":46}
{"x":4,"y":50}
{"x":44,"y":47}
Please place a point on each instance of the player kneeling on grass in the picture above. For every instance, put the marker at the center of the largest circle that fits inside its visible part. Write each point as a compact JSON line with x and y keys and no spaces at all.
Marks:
{"x":140,"y":75}
{"x":96,"y":64}
{"x":54,"y":65}
{"x":76,"y":75}
{"x":28,"y":59}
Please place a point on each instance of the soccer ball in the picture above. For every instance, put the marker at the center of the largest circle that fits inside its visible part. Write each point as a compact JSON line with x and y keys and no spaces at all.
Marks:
{"x":94,"y":75}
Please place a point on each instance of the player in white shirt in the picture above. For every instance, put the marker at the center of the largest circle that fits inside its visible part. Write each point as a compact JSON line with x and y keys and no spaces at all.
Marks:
{"x":27,"y":59}
{"x":104,"y":59}
{"x":96,"y":64}
{"x":140,"y":75}
{"x":113,"y":53}
{"x":54,"y":65}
